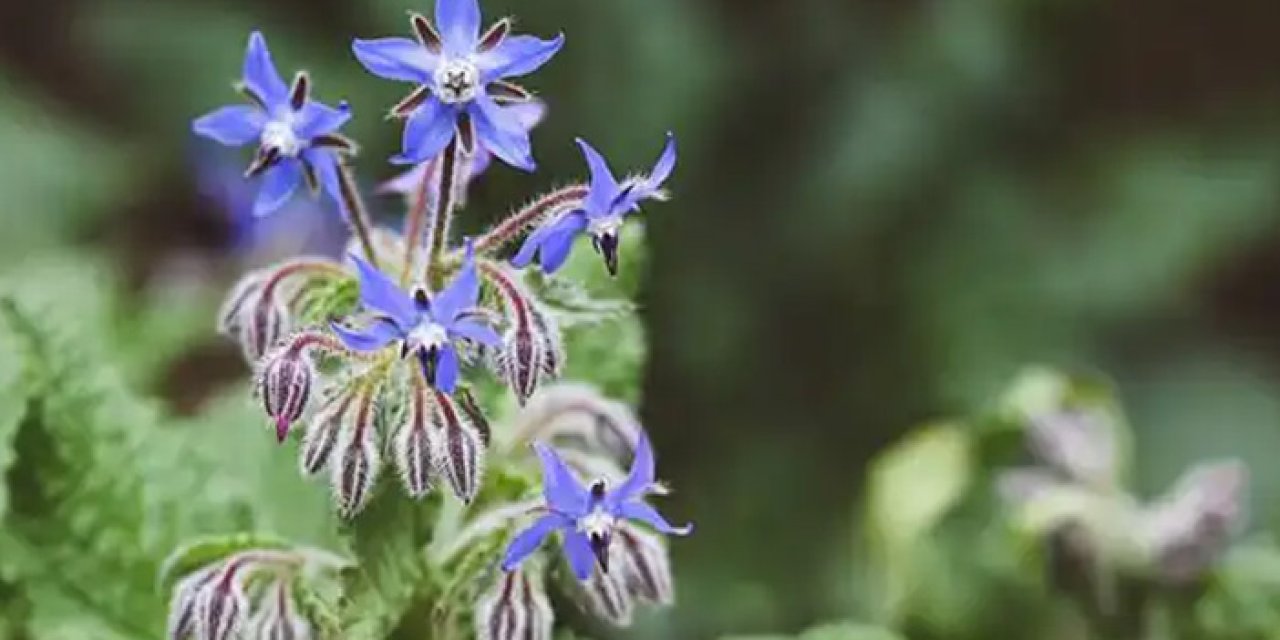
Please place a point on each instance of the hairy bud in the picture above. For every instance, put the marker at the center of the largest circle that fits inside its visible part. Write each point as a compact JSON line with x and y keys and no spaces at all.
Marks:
{"x":266,"y":323}
{"x":515,"y":608}
{"x":323,"y":433}
{"x":642,"y":558}
{"x":182,"y":606}
{"x":459,"y":450}
{"x":285,"y":387}
{"x":576,"y":416}
{"x":608,"y":598}
{"x":1189,"y":529}
{"x":413,"y":445}
{"x":234,"y":309}
{"x":530,"y":352}
{"x":356,"y":461}
{"x":221,"y":605}
{"x":277,"y":617}
{"x":1080,"y":444}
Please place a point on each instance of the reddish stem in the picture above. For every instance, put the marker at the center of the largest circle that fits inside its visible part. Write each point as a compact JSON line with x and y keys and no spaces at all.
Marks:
{"x":508,"y":229}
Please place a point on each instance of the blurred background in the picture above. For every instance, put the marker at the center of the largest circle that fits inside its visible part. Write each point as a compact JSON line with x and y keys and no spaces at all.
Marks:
{"x":884,"y":209}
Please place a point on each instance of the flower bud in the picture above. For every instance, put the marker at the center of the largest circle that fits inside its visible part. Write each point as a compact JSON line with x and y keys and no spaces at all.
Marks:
{"x":357,"y":458}
{"x":1188,"y":530}
{"x":285,"y":386}
{"x":221,"y":605}
{"x":233,"y":312}
{"x":520,"y":362}
{"x":459,"y":451}
{"x":265,"y":324}
{"x":553,"y":347}
{"x":322,"y":434}
{"x":646,"y":571}
{"x":577,"y":416}
{"x":277,"y":617}
{"x":413,"y":444}
{"x":182,"y":606}
{"x":1080,"y":444}
{"x":515,"y":608}
{"x":608,"y":598}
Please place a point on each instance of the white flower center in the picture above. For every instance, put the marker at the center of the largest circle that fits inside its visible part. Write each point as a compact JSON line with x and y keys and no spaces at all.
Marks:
{"x":597,"y":523}
{"x":457,"y":80}
{"x":605,"y":225}
{"x":427,"y":335}
{"x":279,"y":134}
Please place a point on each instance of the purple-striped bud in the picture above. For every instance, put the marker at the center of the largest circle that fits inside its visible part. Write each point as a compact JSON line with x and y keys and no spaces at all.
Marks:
{"x":221,"y":605}
{"x":608,"y":598}
{"x":530,"y":353}
{"x":553,"y":355}
{"x":646,"y":570}
{"x":356,"y":460}
{"x":413,"y":446}
{"x":285,"y":387}
{"x":459,"y":450}
{"x":266,"y":322}
{"x":277,"y":618}
{"x":323,"y":432}
{"x":515,"y":608}
{"x":520,"y":361}
{"x":182,"y":606}
{"x":234,"y":310}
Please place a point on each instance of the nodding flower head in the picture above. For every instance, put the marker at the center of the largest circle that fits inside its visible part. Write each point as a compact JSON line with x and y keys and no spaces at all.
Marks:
{"x":603,"y":211}
{"x":589,"y":516}
{"x":297,"y":137}
{"x":426,"y":326}
{"x":460,"y":73}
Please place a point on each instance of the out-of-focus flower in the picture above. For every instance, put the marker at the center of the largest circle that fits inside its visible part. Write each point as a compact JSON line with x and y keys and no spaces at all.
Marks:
{"x":297,"y":137}
{"x":460,"y":74}
{"x":602,"y":213}
{"x":430,"y":327}
{"x":588,"y":517}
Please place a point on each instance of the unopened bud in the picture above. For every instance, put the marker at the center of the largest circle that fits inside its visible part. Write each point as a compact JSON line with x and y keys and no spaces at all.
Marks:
{"x":413,"y":449}
{"x":323,"y":433}
{"x":1079,"y":443}
{"x":234,"y":309}
{"x":265,"y":324}
{"x":221,"y":605}
{"x":608,"y":598}
{"x":520,"y":361}
{"x":182,"y":606}
{"x":516,"y":608}
{"x":285,"y":386}
{"x":356,"y":464}
{"x":459,"y":451}
{"x":646,"y":570}
{"x":1189,"y":529}
{"x":277,"y":618}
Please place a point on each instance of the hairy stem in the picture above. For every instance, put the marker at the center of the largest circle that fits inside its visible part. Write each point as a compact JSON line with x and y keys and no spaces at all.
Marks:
{"x":357,"y":213}
{"x":296,"y":267}
{"x":417,"y":219}
{"x":554,"y":202}
{"x":442,"y":216}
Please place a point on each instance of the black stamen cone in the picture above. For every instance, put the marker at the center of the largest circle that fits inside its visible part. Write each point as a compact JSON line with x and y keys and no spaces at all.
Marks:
{"x":600,"y":546}
{"x":607,"y":245}
{"x":430,"y":358}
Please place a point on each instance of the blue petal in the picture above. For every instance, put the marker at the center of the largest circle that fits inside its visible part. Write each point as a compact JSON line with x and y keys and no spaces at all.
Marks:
{"x":559,"y":241}
{"x":325,"y":162}
{"x":531,"y":538}
{"x":278,"y":185}
{"x":517,"y":56}
{"x":641,"y":476}
{"x":577,"y":548}
{"x":501,"y":133}
{"x":260,"y":74}
{"x":560,"y":488}
{"x":447,"y":370}
{"x":637,"y":510}
{"x":604,"y":187}
{"x":232,"y":126}
{"x":476,"y":332}
{"x":396,"y":59}
{"x":460,"y":295}
{"x":651,"y":184}
{"x":374,"y":337}
{"x":316,"y":119}
{"x":429,"y":129}
{"x":378,"y":293}
{"x":459,"y":25}
{"x":532,"y":243}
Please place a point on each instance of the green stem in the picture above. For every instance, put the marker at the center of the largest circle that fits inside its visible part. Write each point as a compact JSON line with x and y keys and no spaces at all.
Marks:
{"x":442,"y":216}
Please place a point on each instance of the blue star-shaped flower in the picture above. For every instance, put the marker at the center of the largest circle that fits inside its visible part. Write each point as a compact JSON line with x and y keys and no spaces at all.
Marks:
{"x":297,"y":137}
{"x":607,"y":204}
{"x":586,"y":517}
{"x":461,"y":75}
{"x":430,"y":327}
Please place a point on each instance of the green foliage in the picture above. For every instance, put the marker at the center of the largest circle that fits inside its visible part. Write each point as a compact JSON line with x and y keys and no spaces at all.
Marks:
{"x":847,"y":631}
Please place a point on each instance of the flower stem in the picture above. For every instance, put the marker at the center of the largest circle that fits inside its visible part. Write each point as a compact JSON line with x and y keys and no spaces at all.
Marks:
{"x":442,"y":215}
{"x":357,"y":213}
{"x":417,"y":219}
{"x":556,"y":201}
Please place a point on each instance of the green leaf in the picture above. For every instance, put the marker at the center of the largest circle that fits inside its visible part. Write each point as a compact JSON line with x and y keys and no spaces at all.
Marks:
{"x":201,"y":552}
{"x":840,"y":631}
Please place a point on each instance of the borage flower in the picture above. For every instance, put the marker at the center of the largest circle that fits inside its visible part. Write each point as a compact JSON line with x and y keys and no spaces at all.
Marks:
{"x":430,"y":327}
{"x":588,"y":517}
{"x":461,"y":76}
{"x":603,"y":211}
{"x":297,"y":136}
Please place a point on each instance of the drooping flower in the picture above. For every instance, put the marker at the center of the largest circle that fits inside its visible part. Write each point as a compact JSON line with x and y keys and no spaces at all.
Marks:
{"x":430,"y":327}
{"x":602,"y":214}
{"x":528,"y":114}
{"x":297,"y":137}
{"x":588,"y":517}
{"x":461,"y":77}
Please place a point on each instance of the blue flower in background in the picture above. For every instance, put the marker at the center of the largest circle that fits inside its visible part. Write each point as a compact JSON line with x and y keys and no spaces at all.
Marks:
{"x":602,"y":214}
{"x":461,"y":74}
{"x":586,"y":517}
{"x":296,"y":136}
{"x":429,"y":327}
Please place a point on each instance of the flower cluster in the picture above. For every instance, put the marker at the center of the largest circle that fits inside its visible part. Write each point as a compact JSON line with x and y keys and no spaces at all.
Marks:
{"x":380,"y":356}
